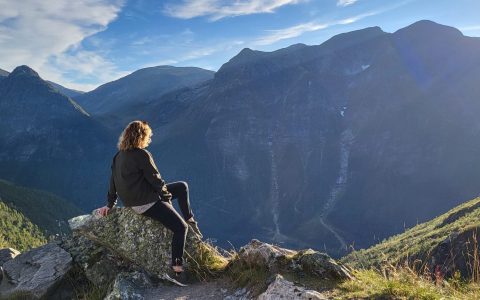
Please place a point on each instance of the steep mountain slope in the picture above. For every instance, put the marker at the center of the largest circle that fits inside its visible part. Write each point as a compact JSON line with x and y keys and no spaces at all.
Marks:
{"x":139,"y":89}
{"x":450,"y":241}
{"x":333,"y":144}
{"x":48,"y":211}
{"x":49,"y":142}
{"x":66,"y":91}
{"x":17,"y":231}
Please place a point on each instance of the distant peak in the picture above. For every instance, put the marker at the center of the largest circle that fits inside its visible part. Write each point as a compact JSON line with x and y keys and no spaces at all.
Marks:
{"x":348,"y":39}
{"x":24,"y":71}
{"x":427,"y":27}
{"x":4,"y":73}
{"x":246,"y":52}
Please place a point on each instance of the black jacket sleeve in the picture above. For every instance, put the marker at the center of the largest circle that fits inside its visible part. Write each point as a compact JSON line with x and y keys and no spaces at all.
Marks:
{"x":112,"y":192}
{"x":152,"y":175}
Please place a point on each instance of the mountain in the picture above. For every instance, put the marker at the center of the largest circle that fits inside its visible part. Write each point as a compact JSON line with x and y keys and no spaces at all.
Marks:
{"x":324,"y":146}
{"x":56,"y":86}
{"x":50,"y":142}
{"x":141,"y":88}
{"x":66,"y":91}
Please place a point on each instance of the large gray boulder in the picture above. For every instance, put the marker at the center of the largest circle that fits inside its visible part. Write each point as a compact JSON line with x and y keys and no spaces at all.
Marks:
{"x":35,"y":273}
{"x":140,"y":240}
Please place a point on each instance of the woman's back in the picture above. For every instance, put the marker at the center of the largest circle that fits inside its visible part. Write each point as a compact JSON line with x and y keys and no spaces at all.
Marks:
{"x":131,"y":171}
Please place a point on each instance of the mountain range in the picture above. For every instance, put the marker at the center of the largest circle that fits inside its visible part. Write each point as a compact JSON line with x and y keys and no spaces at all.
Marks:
{"x":329,"y":145}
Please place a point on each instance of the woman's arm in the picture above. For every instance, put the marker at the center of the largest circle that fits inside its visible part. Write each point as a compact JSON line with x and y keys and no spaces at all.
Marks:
{"x":112,"y":193}
{"x":152,"y":175}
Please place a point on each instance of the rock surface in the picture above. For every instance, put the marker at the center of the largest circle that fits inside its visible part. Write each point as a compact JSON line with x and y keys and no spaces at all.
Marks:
{"x":37,"y":272}
{"x":138,"y":239}
{"x":456,"y":253}
{"x":130,"y":286}
{"x":284,"y":289}
{"x":7,"y":254}
{"x":307,"y":261}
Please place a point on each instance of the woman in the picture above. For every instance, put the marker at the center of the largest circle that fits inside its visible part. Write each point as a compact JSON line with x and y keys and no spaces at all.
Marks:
{"x":136,"y":180}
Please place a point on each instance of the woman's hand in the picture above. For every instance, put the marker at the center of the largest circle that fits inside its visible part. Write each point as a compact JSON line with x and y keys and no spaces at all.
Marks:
{"x":103,"y":211}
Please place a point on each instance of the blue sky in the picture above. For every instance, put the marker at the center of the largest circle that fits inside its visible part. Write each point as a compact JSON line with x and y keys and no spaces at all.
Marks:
{"x":84,"y":43}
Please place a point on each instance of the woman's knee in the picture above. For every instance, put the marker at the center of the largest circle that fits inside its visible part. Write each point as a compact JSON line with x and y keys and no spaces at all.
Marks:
{"x":184,"y":185}
{"x":181,"y":227}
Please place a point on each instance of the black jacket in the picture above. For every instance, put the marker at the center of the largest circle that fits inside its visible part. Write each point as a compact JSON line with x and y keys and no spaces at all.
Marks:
{"x":135,"y":179}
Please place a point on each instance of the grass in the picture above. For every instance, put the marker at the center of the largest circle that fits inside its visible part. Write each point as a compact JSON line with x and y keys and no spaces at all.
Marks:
{"x":243,"y":275}
{"x":82,"y":288}
{"x":404,"y":283}
{"x":419,"y":240}
{"x":208,"y":261}
{"x":397,"y":268}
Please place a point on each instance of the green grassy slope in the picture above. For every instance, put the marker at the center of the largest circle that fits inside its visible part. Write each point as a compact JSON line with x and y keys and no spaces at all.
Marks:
{"x":17,"y":231}
{"x":44,"y":209}
{"x":419,"y":240}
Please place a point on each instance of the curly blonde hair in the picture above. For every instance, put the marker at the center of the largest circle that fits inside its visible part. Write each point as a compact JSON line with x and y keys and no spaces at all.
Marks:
{"x":137,"y":134}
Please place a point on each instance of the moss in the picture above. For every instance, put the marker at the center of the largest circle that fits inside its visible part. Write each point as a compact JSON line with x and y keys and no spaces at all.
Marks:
{"x":20,"y":295}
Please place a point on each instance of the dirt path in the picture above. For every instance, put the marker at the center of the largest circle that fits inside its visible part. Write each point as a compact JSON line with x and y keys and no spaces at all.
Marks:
{"x":202,"y":291}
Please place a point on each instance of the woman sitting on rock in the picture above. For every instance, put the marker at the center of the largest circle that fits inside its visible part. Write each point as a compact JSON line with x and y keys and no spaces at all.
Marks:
{"x":138,"y":183}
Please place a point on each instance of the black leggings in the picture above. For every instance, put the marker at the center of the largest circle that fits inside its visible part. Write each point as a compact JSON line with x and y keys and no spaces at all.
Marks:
{"x":164,"y":212}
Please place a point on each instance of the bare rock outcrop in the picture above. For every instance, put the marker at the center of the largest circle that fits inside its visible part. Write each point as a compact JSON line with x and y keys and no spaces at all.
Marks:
{"x":284,"y":289}
{"x":278,"y":260}
{"x":36,"y":273}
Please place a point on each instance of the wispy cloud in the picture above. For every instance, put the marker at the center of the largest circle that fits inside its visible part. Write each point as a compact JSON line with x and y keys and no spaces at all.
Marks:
{"x":39,"y":32}
{"x":470,"y":28}
{"x":345,"y":2}
{"x":276,"y":35}
{"x":218,"y":9}
{"x":199,"y":52}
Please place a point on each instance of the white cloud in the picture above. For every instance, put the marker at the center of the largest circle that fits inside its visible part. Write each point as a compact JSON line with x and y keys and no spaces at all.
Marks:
{"x":198,"y":52}
{"x":290,"y":32}
{"x":345,"y":2}
{"x":36,"y":33}
{"x":276,"y":35}
{"x":218,"y":9}
{"x":470,"y":28}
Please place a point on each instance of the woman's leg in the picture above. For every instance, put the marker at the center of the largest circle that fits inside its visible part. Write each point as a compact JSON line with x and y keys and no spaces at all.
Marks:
{"x":168,"y":216}
{"x":179,"y":190}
